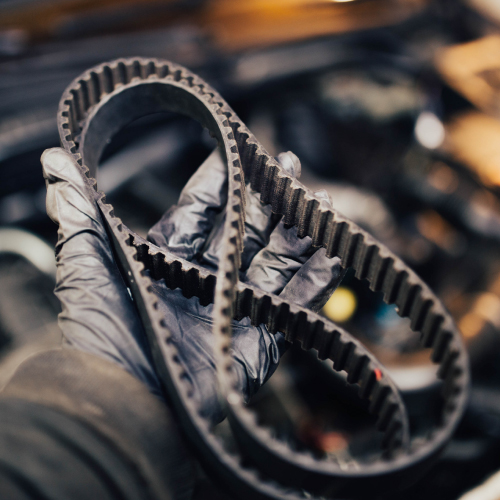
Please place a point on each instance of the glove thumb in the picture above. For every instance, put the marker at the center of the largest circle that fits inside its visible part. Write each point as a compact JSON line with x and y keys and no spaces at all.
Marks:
{"x":70,"y":196}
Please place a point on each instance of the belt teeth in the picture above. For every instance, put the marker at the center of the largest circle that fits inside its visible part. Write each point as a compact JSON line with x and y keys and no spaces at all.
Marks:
{"x":386,"y":414}
{"x":282,"y":317}
{"x":321,"y":226}
{"x":336,"y":237}
{"x":107,"y":83}
{"x":356,"y":369}
{"x":120,"y":73}
{"x":266,"y":187}
{"x":451,"y":386}
{"x":306,"y":333}
{"x":82,"y":91}
{"x":247,"y":159}
{"x":343,"y":355}
{"x":431,"y":328}
{"x":206,"y":295}
{"x":392,"y":439}
{"x":408,"y":295}
{"x":162,"y":70}
{"x":394,"y":291}
{"x":294,"y":200}
{"x":190,"y":283}
{"x":271,"y":318}
{"x":73,"y":115}
{"x":278,"y":196}
{"x":362,"y":264}
{"x":257,"y":172}
{"x":297,"y":326}
{"x":79,"y":111}
{"x":352,"y":246}
{"x":380,"y":394}
{"x":94,"y":85}
{"x":243,"y":304}
{"x":306,"y":214}
{"x":420,"y":312}
{"x":442,"y":342}
{"x":149,"y":69}
{"x":378,"y":271}
{"x":259,"y":306}
{"x":134,"y":71}
{"x":448,"y":363}
{"x":321,"y":341}
{"x":368,"y":382}
{"x":173,"y":275}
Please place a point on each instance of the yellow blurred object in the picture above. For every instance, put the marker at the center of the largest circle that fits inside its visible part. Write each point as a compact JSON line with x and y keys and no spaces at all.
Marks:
{"x":341,"y":306}
{"x":473,"y":138}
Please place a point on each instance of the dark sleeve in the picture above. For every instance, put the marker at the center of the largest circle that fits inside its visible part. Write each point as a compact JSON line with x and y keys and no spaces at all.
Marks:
{"x":75,"y":426}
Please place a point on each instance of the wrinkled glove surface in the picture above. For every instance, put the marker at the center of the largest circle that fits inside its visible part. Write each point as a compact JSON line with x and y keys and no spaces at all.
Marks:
{"x":98,"y":315}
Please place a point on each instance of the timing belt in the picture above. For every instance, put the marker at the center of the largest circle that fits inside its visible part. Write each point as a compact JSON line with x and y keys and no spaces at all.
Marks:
{"x":106,"y":98}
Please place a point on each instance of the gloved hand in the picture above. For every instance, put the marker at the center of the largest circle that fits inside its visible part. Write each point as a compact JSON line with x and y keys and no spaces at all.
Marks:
{"x":98,"y":315}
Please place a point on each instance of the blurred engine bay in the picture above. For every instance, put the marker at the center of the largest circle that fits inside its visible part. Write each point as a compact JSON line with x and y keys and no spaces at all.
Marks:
{"x":397,"y":118}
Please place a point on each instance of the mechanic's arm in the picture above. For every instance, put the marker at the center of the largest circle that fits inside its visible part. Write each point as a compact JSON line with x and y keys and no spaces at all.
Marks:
{"x":84,"y":412}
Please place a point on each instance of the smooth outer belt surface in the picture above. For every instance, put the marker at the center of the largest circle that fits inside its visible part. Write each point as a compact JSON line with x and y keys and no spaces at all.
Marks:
{"x":108,"y":97}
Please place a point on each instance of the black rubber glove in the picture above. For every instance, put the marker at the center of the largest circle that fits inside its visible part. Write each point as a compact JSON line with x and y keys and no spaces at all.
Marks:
{"x":99,"y":316}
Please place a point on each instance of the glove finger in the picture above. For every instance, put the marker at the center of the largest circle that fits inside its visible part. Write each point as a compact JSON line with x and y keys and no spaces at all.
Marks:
{"x":275,"y":265}
{"x":315,"y":282}
{"x":184,"y":228}
{"x":256,"y":352}
{"x":259,"y":222}
{"x":98,"y":315}
{"x":70,"y":201}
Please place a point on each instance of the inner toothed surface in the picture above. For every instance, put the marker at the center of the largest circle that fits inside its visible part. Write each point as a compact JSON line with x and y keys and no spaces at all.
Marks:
{"x":356,"y":248}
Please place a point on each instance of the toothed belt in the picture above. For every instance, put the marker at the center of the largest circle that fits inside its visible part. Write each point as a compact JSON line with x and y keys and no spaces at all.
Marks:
{"x":105,"y":99}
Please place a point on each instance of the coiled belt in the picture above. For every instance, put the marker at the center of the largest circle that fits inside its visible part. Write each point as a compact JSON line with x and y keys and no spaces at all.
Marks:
{"x":106,"y":98}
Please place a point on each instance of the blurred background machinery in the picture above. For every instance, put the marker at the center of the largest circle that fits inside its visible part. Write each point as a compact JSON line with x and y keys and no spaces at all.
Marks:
{"x":393,"y":107}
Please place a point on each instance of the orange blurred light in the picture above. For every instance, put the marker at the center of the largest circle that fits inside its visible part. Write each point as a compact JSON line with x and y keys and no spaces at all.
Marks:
{"x":472,"y":138}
